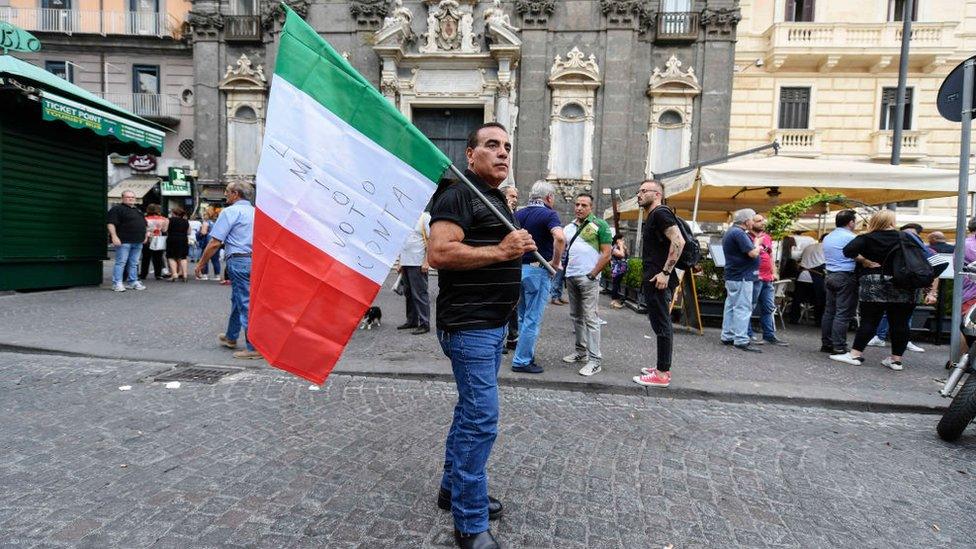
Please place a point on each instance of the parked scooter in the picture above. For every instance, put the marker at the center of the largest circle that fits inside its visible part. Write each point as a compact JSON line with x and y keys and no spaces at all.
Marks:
{"x":962,"y":410}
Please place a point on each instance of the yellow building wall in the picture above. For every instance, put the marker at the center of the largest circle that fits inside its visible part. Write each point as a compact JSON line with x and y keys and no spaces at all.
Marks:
{"x":846,"y":103}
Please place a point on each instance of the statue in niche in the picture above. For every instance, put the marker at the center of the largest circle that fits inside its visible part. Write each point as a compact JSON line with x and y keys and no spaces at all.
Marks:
{"x":495,"y":15}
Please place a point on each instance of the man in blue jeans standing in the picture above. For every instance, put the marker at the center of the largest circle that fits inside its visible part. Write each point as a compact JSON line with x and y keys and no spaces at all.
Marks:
{"x":234,"y":230}
{"x":127,"y":227}
{"x":479,"y":264}
{"x":763,"y":292}
{"x":741,"y":272}
{"x":543,"y":224}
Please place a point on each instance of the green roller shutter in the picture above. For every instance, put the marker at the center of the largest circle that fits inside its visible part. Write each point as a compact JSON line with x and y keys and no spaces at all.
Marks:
{"x":52,"y":204}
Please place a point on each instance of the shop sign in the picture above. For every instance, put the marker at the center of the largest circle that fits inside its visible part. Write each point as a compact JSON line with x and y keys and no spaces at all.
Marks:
{"x":14,"y":38}
{"x":142,"y":162}
{"x":76,"y":115}
{"x":178,"y":184}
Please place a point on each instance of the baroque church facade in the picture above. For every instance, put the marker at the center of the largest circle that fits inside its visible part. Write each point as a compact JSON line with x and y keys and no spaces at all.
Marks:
{"x":596,"y":93}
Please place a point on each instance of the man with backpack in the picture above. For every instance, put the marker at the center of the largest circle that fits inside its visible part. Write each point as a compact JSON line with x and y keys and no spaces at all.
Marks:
{"x":663,"y":243}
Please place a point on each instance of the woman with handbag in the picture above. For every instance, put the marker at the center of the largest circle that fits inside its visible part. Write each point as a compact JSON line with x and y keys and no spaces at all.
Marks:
{"x":155,"y":246}
{"x":177,"y":244}
{"x":618,"y":268}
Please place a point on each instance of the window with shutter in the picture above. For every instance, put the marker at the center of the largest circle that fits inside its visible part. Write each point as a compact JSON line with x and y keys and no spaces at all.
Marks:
{"x":794,"y":108}
{"x":896,"y":9}
{"x":889,"y":108}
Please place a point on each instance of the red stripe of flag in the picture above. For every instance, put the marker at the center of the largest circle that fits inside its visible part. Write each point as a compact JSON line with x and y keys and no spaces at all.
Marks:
{"x":304,"y":305}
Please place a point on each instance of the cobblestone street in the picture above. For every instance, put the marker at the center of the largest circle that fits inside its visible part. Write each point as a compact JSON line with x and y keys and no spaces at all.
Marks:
{"x":259,"y":459}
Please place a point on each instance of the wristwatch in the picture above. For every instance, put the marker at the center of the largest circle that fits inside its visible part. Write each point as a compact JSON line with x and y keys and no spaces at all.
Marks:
{"x":666,"y":273}
{"x":590,"y":276}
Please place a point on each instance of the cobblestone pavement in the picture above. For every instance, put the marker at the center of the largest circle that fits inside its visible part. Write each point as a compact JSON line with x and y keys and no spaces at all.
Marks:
{"x":260,"y":460}
{"x":179,"y":322}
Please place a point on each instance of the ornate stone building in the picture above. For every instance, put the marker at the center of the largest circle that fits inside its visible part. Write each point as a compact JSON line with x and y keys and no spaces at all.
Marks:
{"x":596,"y":93}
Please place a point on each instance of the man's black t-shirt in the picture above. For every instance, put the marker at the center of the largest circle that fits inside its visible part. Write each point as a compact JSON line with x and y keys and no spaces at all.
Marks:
{"x":130,"y":224}
{"x":479,"y":298}
{"x":656,"y":244}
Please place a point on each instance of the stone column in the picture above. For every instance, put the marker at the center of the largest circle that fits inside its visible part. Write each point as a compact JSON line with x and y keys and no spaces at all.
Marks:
{"x":206,"y":24}
{"x":717,"y":59}
{"x":533,"y":111}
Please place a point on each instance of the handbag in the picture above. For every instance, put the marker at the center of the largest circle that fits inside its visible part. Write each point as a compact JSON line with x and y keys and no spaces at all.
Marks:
{"x":157,"y":243}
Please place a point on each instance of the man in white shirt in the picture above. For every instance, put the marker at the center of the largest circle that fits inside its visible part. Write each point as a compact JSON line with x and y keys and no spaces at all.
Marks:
{"x":413,"y":271}
{"x":810,"y":282}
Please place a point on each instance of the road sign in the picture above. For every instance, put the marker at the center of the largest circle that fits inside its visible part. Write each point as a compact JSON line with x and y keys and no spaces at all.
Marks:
{"x":949,"y":100}
{"x":14,"y":38}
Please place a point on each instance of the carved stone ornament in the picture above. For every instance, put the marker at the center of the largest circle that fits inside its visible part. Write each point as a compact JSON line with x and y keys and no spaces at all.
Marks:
{"x":201,"y":22}
{"x":245,"y":71}
{"x":672,"y":74}
{"x":449,"y":28}
{"x":396,"y":26}
{"x":271,"y":11}
{"x":535,"y":12}
{"x":498,"y":27}
{"x":626,"y":12}
{"x":720,"y":21}
{"x":368,"y":13}
{"x":575,"y":65}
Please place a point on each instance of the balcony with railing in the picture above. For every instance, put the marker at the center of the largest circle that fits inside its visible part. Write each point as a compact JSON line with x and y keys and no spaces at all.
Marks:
{"x":800,"y":143}
{"x":857,"y":45}
{"x":158,"y":107}
{"x":913,"y":144}
{"x":131,"y":23}
{"x":677,"y":26}
{"x":242,"y":28}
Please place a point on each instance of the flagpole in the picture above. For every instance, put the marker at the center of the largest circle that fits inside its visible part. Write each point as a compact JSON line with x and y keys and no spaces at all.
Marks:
{"x":498,"y":214}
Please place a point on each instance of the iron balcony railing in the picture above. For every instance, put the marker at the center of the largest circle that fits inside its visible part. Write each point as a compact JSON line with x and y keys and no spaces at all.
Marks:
{"x":147,"y":105}
{"x":677,"y":25}
{"x":132,"y":23}
{"x":242,"y":28}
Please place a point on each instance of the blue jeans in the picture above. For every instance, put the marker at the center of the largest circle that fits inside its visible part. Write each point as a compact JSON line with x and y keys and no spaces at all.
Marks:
{"x":239,"y":274}
{"x":763,"y":296}
{"x":535,"y":295}
{"x":126,"y":261}
{"x":882,"y":332}
{"x":475,"y":358}
{"x":556,"y":287}
{"x":738,"y":309}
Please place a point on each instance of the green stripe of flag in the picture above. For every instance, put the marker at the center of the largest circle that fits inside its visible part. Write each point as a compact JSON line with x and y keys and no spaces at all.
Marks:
{"x":310,"y":64}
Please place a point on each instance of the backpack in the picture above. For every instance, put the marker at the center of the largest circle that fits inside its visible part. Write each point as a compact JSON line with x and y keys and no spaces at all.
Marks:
{"x":691,"y":253}
{"x":907,"y":265}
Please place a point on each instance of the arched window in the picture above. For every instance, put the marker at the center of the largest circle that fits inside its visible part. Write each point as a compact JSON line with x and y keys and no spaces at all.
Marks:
{"x":245,"y":138}
{"x":570,"y":130}
{"x":667,"y":151}
{"x":574,"y":83}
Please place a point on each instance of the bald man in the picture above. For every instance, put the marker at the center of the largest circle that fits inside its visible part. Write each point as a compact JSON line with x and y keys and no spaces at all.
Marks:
{"x":938,"y":243}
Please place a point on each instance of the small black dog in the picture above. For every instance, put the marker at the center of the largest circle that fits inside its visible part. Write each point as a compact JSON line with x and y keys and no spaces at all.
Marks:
{"x":372,"y":318}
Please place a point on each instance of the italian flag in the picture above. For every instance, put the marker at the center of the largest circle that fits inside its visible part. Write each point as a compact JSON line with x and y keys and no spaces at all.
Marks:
{"x":342,"y":180}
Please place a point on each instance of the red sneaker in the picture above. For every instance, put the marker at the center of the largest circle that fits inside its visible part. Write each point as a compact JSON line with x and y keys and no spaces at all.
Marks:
{"x":653,"y":378}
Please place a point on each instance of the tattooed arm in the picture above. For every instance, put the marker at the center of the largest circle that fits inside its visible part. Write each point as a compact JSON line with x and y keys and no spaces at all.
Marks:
{"x":673,"y":233}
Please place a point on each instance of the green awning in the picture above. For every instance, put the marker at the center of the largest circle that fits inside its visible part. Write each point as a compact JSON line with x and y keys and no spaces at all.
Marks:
{"x":56,"y":91}
{"x":77,"y":115}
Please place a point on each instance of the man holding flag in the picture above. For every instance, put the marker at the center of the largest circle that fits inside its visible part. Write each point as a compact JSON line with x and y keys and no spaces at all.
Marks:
{"x":479,"y":265}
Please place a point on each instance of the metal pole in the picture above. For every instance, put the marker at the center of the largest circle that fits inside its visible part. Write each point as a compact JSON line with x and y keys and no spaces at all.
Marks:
{"x":501,"y":217}
{"x":906,"y":37}
{"x":694,"y":214}
{"x":959,"y":253}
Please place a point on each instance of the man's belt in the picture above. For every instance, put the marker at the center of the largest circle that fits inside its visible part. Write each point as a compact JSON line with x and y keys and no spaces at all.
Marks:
{"x":239,"y":254}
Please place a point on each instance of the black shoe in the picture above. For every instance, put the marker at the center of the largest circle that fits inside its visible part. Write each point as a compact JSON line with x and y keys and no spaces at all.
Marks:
{"x":777,"y":341}
{"x":494,"y":506}
{"x":724,"y":342}
{"x":530,"y":368}
{"x":826,"y":349}
{"x":511,"y":344}
{"x":420,"y":330}
{"x":406,"y":326}
{"x":483,"y":540}
{"x":748,"y":347}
